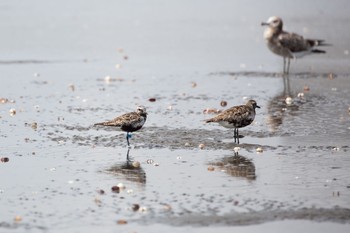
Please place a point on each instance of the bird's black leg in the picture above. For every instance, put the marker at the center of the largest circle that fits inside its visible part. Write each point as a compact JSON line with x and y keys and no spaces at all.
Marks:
{"x":284,"y":65}
{"x":127,"y":155}
{"x":127,"y":138}
{"x":288,"y":64}
{"x":236,"y":136}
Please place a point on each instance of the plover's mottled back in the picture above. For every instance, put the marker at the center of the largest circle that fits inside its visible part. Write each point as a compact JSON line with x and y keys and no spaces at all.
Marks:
{"x":128,"y":122}
{"x":288,"y":45}
{"x":236,"y":117}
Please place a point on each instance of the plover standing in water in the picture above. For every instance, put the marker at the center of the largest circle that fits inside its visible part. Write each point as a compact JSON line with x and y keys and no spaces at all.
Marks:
{"x":286,"y":44}
{"x":128,"y":122}
{"x":236,"y":117}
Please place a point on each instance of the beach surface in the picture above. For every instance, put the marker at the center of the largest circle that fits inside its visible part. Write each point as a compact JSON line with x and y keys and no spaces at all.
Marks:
{"x":67,"y":65}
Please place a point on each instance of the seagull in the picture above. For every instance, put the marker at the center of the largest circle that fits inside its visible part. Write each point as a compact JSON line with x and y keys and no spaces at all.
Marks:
{"x":286,"y":44}
{"x":236,"y":117}
{"x":128,"y":122}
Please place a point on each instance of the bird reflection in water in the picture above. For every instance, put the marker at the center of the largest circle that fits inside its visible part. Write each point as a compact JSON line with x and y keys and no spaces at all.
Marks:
{"x":237,"y":166}
{"x":283,"y":103}
{"x":129,"y":170}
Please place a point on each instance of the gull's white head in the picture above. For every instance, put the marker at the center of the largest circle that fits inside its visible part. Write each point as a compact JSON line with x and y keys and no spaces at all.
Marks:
{"x":274,"y":22}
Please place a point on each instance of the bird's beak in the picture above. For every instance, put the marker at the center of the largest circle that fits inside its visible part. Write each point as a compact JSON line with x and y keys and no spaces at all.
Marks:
{"x":257,"y":106}
{"x":265,"y":24}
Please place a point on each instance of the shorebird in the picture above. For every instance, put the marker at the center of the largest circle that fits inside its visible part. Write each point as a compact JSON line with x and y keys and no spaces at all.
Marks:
{"x":236,"y":117}
{"x":286,"y":44}
{"x":128,"y":122}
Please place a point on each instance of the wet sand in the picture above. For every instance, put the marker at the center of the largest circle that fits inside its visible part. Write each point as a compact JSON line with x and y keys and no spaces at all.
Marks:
{"x":90,"y":62}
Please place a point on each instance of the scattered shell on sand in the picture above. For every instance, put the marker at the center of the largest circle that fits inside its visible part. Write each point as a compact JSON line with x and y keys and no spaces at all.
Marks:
{"x":101,"y":191}
{"x":135,"y":207}
{"x":122,"y":222}
{"x":12,"y":112}
{"x":152,"y":99}
{"x":306,"y":88}
{"x":18,"y":218}
{"x":5,"y":100}
{"x":300,"y":95}
{"x":121,"y":186}
{"x":136,"y":164}
{"x":4,"y":159}
{"x":97,"y":201}
{"x":193,"y":84}
{"x":211,"y":168}
{"x":211,"y":110}
{"x":259,"y":150}
{"x":150,"y":161}
{"x":34,"y":125}
{"x":71,"y":87}
{"x":223,"y":103}
{"x":108,"y":79}
{"x":167,"y":207}
{"x":289,"y":100}
{"x":201,"y":146}
{"x":115,"y":189}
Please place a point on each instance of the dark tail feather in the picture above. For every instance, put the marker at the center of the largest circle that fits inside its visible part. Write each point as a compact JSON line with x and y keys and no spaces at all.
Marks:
{"x":317,"y":43}
{"x":318,"y":51}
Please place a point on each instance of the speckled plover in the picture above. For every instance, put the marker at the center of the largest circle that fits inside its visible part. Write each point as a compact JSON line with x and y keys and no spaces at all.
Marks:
{"x":286,"y":44}
{"x":236,"y":117}
{"x":128,"y":122}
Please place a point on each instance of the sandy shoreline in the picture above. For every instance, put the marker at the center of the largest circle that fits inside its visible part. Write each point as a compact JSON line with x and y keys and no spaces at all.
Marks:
{"x":65,"y":68}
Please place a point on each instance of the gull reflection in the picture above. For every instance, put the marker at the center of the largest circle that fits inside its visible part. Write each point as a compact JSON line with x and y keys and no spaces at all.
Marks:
{"x":129,"y":170}
{"x":277,"y":107}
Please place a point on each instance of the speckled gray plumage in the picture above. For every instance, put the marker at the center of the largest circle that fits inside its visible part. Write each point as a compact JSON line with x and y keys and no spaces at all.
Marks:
{"x":128,"y":122}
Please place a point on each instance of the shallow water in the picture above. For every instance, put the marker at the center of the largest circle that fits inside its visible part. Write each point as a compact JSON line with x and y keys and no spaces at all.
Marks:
{"x":61,"y":170}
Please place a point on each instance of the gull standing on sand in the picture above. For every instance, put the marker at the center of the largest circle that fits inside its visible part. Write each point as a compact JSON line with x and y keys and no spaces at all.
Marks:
{"x":236,"y":117}
{"x":286,"y":44}
{"x":128,"y":122}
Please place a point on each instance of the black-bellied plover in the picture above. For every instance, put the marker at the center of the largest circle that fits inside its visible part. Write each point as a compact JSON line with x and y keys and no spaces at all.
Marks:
{"x":286,"y":44}
{"x":128,"y":122}
{"x":236,"y":117}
